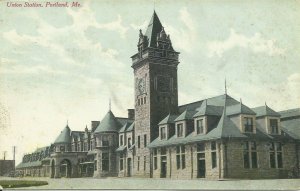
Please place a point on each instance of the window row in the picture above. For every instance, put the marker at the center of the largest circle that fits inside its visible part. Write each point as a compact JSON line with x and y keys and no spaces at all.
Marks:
{"x":142,"y":101}
{"x":200,"y":128}
{"x":251,"y":159}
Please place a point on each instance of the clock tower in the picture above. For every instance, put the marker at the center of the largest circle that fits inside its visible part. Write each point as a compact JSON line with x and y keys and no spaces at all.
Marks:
{"x":156,"y":93}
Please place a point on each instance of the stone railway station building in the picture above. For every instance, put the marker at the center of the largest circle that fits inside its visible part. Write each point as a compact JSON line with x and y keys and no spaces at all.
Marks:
{"x":214,"y":138}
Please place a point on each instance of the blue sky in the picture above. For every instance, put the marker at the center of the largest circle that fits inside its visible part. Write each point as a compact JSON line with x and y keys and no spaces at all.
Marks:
{"x":60,"y":64}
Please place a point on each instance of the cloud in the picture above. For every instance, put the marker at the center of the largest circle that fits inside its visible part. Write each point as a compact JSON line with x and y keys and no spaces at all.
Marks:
{"x":141,"y":26}
{"x":183,"y":38}
{"x":81,"y":16}
{"x":256,"y":43}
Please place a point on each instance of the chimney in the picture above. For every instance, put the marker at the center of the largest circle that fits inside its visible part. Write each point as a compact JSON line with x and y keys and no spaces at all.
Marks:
{"x":130,"y":113}
{"x":94,"y":125}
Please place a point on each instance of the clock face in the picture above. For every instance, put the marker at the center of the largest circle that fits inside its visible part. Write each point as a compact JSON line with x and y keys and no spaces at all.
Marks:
{"x":141,"y":86}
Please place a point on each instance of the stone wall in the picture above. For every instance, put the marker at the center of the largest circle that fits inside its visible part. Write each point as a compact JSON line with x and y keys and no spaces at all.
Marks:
{"x":235,"y":161}
{"x":190,"y":170}
{"x":6,"y":166}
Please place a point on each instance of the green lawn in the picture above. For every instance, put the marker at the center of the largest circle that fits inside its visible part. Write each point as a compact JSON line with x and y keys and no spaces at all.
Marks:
{"x":21,"y":183}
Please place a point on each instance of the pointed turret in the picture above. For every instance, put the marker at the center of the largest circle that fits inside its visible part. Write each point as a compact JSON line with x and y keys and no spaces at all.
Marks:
{"x":64,"y":136}
{"x":108,"y":124}
{"x":154,"y":28}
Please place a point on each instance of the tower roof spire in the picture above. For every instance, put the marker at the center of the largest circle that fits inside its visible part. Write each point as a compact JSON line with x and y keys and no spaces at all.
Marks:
{"x":154,"y":28}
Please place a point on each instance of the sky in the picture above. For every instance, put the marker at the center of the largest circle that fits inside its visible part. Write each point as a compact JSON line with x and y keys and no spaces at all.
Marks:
{"x":64,"y":64}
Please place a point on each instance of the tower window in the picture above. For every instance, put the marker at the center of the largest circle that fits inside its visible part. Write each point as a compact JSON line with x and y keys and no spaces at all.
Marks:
{"x":139,"y":142}
{"x":144,"y":100}
{"x":145,"y":140}
{"x":105,"y":142}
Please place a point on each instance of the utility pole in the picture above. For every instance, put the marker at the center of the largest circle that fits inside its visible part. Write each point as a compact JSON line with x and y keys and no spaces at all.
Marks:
{"x":14,"y":147}
{"x":14,"y":159}
{"x":4,"y":153}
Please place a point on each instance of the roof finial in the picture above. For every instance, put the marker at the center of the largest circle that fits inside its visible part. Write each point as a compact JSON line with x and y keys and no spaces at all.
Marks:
{"x":225,"y":87}
{"x":67,"y":122}
{"x":241,"y":100}
{"x":265,"y":103}
{"x":109,"y":104}
{"x":154,"y":5}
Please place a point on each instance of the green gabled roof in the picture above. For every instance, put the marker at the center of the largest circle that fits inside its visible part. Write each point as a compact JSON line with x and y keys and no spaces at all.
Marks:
{"x":108,"y":124}
{"x":265,"y":111}
{"x":29,"y":164}
{"x":77,"y":135}
{"x":130,"y":128}
{"x":185,"y":115}
{"x":226,"y":128}
{"x":215,"y":101}
{"x":153,"y":29}
{"x":123,"y":120}
{"x":125,"y":127}
{"x":239,"y":109}
{"x":64,"y":136}
{"x":205,"y":109}
{"x":169,"y":119}
{"x":290,"y":113}
{"x":292,"y":127}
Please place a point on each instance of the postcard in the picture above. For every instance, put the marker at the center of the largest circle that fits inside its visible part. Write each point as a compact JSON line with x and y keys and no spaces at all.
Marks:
{"x":128,"y":94}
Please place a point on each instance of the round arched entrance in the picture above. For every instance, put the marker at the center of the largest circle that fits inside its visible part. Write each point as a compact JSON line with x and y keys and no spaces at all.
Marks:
{"x":65,"y":168}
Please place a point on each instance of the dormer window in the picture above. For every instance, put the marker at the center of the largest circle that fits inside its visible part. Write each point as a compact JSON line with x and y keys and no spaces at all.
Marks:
{"x":163,"y":134}
{"x":274,"y":126}
{"x":248,"y":124}
{"x":179,"y":130}
{"x":121,"y":140}
{"x":199,"y":126}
